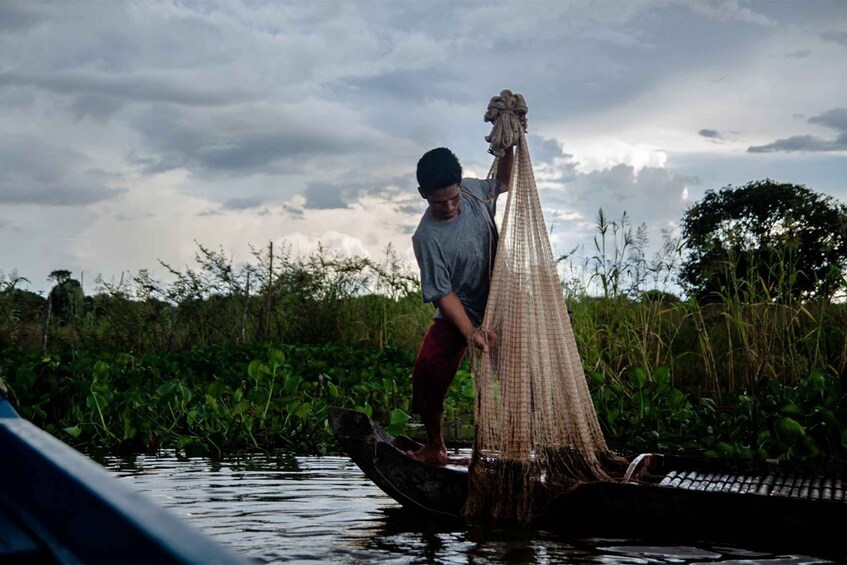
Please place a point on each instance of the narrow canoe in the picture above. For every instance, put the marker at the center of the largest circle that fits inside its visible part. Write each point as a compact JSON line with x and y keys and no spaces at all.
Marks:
{"x":773,"y":506}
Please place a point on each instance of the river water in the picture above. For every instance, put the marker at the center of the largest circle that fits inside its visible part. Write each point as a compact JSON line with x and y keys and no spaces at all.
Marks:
{"x":277,"y":508}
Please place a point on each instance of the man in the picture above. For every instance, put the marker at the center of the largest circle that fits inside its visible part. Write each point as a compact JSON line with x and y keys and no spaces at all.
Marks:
{"x":454,"y":246}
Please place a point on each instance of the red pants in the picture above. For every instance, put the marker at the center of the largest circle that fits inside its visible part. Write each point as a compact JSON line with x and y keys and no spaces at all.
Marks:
{"x":441,"y":352}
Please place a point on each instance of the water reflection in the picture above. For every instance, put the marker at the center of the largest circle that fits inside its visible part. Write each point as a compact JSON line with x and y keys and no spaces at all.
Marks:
{"x":278,"y":508}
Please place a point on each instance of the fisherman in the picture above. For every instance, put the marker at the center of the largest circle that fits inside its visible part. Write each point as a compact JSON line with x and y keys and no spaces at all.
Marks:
{"x":454,"y":245}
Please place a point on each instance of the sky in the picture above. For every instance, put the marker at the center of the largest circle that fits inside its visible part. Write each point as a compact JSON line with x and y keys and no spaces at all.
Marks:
{"x":131,"y":132}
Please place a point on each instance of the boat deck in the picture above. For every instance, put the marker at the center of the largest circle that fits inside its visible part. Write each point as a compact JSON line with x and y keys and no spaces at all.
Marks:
{"x":782,"y":484}
{"x":764,"y":479}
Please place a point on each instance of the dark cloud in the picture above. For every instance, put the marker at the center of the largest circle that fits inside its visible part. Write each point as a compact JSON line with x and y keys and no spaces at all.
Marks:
{"x":210,"y":212}
{"x":34,"y":172}
{"x":568,"y":172}
{"x":407,"y":85}
{"x":573,"y":208}
{"x":251,"y":153}
{"x":622,"y":188}
{"x":416,"y":208}
{"x":816,"y":15}
{"x":58,"y":194}
{"x":121,"y":217}
{"x":835,"y":36}
{"x":176,"y":87}
{"x":95,"y":106}
{"x":245,"y":141}
{"x":569,"y":62}
{"x":800,"y":54}
{"x":728,"y":12}
{"x":293,"y":211}
{"x":802,"y":143}
{"x":118,"y":36}
{"x":324,"y":197}
{"x":543,"y":150}
{"x":242,"y":203}
{"x":17,"y":17}
{"x":402,"y":187}
{"x":835,"y":118}
{"x":710,"y":134}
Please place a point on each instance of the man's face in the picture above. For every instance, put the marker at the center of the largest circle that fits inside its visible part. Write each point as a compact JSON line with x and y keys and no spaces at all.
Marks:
{"x":444,"y":203}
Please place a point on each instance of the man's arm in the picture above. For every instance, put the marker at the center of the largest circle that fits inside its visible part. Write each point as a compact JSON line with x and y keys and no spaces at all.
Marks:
{"x":453,"y":309}
{"x":504,"y":169}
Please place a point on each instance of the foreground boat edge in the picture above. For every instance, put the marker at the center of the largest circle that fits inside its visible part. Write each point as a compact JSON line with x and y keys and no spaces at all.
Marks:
{"x":56,"y":502}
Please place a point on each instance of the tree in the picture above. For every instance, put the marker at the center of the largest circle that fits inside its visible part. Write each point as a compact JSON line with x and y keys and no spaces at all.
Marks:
{"x":766,"y":241}
{"x":16,"y":305}
{"x":59,"y":276}
{"x":66,"y":297}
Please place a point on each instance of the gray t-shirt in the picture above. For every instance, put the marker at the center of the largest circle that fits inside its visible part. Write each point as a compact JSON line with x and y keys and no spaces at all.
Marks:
{"x":457,"y":255}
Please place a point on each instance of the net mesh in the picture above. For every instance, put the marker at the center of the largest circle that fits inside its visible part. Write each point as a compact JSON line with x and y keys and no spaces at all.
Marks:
{"x":536,"y":430}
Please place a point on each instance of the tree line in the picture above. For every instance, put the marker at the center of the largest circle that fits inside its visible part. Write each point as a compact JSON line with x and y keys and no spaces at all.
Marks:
{"x":762,"y":267}
{"x":750,"y":361}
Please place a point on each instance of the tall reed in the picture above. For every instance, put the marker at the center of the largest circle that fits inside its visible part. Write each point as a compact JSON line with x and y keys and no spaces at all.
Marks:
{"x":624,"y":317}
{"x":624,"y":313}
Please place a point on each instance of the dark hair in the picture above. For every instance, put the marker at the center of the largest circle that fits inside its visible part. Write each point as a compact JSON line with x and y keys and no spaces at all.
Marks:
{"x":438,"y":168}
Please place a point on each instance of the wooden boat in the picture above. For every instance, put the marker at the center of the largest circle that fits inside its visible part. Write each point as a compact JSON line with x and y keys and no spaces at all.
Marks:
{"x":58,"y":506}
{"x":772,"y":506}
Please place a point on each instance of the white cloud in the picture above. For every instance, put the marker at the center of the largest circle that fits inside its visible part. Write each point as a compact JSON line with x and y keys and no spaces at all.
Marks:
{"x":600,"y":154}
{"x":167,"y":222}
{"x":727,"y":11}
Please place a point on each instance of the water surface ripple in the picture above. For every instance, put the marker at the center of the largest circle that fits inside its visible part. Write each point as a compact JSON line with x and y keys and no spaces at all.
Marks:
{"x":277,"y":508}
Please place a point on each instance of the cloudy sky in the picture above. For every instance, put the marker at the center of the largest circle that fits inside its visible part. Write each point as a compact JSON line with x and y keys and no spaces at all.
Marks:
{"x":131,"y":130}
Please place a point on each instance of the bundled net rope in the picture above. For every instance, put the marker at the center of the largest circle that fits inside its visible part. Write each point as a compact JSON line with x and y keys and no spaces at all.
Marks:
{"x":536,"y":431}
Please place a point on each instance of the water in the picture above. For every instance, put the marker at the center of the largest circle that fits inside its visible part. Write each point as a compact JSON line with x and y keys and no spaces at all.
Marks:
{"x":277,"y":508}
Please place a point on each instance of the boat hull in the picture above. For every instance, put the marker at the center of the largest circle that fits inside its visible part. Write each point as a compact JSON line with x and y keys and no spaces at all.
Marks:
{"x":636,"y":506}
{"x":58,"y":506}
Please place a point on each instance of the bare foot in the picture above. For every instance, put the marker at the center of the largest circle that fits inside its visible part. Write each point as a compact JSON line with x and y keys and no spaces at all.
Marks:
{"x":431,"y":455}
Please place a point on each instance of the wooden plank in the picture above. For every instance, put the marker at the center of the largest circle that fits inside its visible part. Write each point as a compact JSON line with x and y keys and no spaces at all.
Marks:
{"x":669,"y":479}
{"x":766,"y":485}
{"x":784,"y":488}
{"x":815,"y":488}
{"x":804,"y":487}
{"x":711,"y":480}
{"x":752,"y":485}
{"x":697,"y":481}
{"x":688,"y":480}
{"x":737,"y":484}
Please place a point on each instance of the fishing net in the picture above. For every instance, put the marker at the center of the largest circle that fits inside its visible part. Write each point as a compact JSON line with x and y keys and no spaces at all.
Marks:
{"x":536,"y":431}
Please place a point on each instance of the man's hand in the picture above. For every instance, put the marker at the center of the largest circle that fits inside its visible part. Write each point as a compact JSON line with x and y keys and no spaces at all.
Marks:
{"x":482,"y":339}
